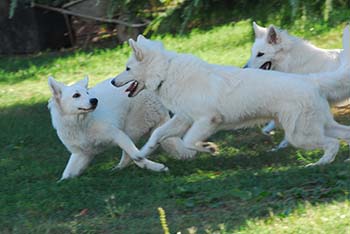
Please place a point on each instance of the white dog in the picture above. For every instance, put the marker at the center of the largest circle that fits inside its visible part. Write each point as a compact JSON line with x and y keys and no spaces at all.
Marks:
{"x":207,"y":98}
{"x":277,"y":50}
{"x":88,"y":120}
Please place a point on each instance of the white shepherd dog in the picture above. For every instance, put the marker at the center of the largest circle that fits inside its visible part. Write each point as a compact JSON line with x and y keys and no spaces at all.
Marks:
{"x":208,"y":98}
{"x":277,"y":50}
{"x":89,"y":120}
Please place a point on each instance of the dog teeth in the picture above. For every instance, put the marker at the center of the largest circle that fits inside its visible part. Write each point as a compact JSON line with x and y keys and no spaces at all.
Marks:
{"x":132,"y":88}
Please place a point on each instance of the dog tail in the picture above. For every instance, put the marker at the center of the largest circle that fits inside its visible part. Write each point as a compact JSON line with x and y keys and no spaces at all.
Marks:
{"x":176,"y":148}
{"x":335,"y":86}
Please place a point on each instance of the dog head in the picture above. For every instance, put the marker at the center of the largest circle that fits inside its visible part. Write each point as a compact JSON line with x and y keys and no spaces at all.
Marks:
{"x":268,"y":47}
{"x":73,"y":99}
{"x":144,"y":68}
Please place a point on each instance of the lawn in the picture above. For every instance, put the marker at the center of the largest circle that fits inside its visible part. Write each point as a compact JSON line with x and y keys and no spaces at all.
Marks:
{"x":245,"y":189}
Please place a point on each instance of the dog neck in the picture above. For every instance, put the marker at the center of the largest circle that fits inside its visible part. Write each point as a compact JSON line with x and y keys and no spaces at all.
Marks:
{"x":162,"y":81}
{"x":304,"y":57}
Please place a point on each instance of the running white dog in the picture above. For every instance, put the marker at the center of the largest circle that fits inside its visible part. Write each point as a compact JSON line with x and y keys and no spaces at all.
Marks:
{"x":88,"y":120}
{"x":277,"y":50}
{"x":207,"y":98}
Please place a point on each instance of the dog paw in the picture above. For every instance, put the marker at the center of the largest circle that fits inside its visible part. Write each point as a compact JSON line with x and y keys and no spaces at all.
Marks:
{"x":316,"y":164}
{"x":310,"y":165}
{"x":210,"y":147}
{"x":117,"y":168}
{"x":164,"y":169}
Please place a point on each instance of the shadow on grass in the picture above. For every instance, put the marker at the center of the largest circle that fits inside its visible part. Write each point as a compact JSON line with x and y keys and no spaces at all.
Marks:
{"x":243,"y":182}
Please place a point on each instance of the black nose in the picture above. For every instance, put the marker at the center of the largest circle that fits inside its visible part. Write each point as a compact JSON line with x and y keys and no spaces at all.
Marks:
{"x":246,"y":66}
{"x":93,"y":101}
{"x":112,"y":82}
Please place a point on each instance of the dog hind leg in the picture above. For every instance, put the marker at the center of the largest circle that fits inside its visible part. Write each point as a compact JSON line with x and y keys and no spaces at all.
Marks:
{"x":339,"y":131}
{"x":267,"y":130}
{"x":330,"y":147}
{"x":200,"y":131}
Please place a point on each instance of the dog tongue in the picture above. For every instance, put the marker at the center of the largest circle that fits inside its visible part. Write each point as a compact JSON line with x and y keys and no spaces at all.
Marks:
{"x":266,"y":66}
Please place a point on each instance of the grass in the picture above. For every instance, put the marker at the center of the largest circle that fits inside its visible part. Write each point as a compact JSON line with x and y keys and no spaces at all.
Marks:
{"x":245,"y":189}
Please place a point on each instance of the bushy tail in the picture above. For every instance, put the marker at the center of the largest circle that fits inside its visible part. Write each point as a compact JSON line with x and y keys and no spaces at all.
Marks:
{"x":335,"y":86}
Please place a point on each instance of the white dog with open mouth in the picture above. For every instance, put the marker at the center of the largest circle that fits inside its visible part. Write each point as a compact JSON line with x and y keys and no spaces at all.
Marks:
{"x":275,"y":49}
{"x":89,"y":120}
{"x":208,"y":98}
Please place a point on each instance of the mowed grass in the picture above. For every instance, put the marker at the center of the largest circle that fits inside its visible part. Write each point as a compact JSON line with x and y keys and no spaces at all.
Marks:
{"x":245,"y":189}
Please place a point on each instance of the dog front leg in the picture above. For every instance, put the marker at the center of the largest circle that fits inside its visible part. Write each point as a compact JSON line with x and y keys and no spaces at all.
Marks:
{"x":76,"y":165}
{"x":124,"y":161}
{"x":128,"y":146}
{"x":175,"y":126}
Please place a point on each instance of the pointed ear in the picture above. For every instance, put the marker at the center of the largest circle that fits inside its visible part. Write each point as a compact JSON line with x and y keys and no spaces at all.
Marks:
{"x":258,"y":30}
{"x":84,"y":82}
{"x":56,"y":87}
{"x":273,"y":35}
{"x":140,"y":37}
{"x":137,"y":50}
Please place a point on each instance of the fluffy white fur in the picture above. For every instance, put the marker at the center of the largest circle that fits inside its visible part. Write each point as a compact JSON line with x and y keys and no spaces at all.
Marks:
{"x":208,"y":98}
{"x":86,"y":129}
{"x":291,"y":54}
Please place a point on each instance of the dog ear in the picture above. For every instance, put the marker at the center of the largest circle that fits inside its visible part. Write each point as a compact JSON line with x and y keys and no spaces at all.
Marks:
{"x":140,"y":37}
{"x":84,"y":82}
{"x":258,"y":30}
{"x":137,"y":50}
{"x":56,"y":87}
{"x":273,"y":36}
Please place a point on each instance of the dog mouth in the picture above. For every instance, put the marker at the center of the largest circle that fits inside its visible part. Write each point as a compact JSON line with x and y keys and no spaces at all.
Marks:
{"x":266,"y":66}
{"x":87,"y":109}
{"x":133,"y":89}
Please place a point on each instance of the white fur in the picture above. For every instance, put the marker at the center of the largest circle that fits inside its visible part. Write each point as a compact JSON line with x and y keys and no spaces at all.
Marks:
{"x":115,"y":119}
{"x":293,"y":55}
{"x":208,"y":98}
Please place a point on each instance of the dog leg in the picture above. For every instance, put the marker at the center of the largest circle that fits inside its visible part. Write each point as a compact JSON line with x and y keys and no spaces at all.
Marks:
{"x":126,"y":144}
{"x":124,"y":162}
{"x":76,"y":165}
{"x":174,"y":127}
{"x":331,"y":147}
{"x":201,"y":130}
{"x":267,"y":130}
{"x":339,"y":131}
{"x":283,"y":144}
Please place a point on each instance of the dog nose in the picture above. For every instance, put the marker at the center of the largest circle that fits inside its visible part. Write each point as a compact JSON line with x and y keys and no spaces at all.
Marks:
{"x":113,"y":82}
{"x":93,"y":101}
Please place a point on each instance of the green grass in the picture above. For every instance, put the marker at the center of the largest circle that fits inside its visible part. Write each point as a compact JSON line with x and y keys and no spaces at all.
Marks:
{"x":243,"y":190}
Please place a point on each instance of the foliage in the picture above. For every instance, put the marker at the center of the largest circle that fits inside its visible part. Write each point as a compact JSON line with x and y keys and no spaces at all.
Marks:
{"x":180,"y":16}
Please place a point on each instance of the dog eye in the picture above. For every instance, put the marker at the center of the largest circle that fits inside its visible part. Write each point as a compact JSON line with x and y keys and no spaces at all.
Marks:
{"x":76,"y":95}
{"x":127,"y":68}
{"x":259,"y":54}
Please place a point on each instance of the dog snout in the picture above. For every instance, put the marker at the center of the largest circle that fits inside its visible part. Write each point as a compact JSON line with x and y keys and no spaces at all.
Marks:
{"x":113,"y":82}
{"x":93,"y":101}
